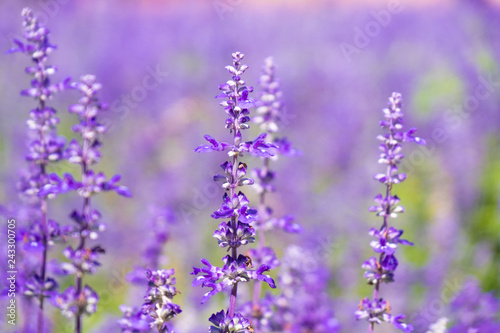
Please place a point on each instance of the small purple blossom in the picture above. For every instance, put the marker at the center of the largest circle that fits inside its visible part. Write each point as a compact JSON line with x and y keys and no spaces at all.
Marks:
{"x":90,"y":185}
{"x":33,"y":238}
{"x":378,"y":311}
{"x":223,"y":323}
{"x":133,"y":320}
{"x":74,"y":303}
{"x":387,"y":240}
{"x":227,"y":236}
{"x":230,"y":274}
{"x":215,"y":145}
{"x":237,"y":207}
{"x":376,"y":273}
{"x":264,"y":256}
{"x":38,"y":287}
{"x":81,"y":261}
{"x":158,"y":302}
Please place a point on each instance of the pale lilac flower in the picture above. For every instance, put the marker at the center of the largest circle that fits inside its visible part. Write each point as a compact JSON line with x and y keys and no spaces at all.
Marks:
{"x":269,"y":112}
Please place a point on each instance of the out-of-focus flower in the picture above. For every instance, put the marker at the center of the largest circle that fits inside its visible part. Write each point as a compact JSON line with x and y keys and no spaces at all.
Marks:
{"x":38,"y":287}
{"x":282,"y":312}
{"x":74,"y":303}
{"x":159,"y":235}
{"x":473,"y":311}
{"x":82,"y":261}
{"x":439,"y":326}
{"x":133,"y":320}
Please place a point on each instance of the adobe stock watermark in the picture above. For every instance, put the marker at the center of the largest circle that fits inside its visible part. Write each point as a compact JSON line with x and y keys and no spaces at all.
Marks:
{"x":364,"y":36}
{"x":123,"y":105}
{"x":437,"y":306}
{"x":49,"y":9}
{"x":117,"y":284}
{"x":317,"y":255}
{"x":223,"y":7}
{"x":285,"y":117}
{"x":199,"y":202}
{"x":453,"y":119}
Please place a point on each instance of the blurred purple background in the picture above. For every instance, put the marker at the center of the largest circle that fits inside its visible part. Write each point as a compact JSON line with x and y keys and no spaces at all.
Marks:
{"x":338,"y":63}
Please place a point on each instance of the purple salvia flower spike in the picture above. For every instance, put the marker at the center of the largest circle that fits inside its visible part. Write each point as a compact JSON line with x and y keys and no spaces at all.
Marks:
{"x":45,"y":149}
{"x":387,"y":239}
{"x":78,"y":300}
{"x":235,"y":209}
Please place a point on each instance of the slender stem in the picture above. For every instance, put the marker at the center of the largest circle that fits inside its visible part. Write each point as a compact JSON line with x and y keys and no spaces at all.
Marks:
{"x":232,"y":193}
{"x":385,"y":226}
{"x":234,"y":224}
{"x":84,"y":225}
{"x":43,"y":221}
{"x":41,"y":297}
{"x":40,"y":317}
{"x":234,"y":292}
{"x":257,"y":286}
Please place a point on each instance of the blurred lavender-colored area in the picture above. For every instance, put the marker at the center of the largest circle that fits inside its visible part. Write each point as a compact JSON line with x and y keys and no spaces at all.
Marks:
{"x":161,"y":62}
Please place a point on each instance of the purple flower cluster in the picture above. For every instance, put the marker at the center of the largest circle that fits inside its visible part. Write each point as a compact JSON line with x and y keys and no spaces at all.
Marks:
{"x":158,"y":306}
{"x":237,"y":230}
{"x":45,"y":148}
{"x":223,"y":323}
{"x":74,"y":302}
{"x":381,"y":269}
{"x":233,"y":271}
{"x":78,"y":299}
{"x":303,"y":304}
{"x":158,"y":300}
{"x":133,"y":320}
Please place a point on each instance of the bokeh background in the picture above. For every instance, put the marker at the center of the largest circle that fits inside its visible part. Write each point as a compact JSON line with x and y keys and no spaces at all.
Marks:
{"x":337,"y":67}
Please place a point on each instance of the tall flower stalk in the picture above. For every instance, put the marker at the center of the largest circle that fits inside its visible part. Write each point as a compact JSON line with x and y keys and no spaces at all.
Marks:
{"x":387,"y":238}
{"x":269,"y":114}
{"x":237,"y":231}
{"x":79,"y":299}
{"x":45,"y":148}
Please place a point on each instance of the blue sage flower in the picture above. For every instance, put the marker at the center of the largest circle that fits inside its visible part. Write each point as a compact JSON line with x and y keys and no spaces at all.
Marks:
{"x":387,"y":238}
